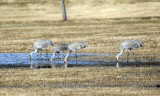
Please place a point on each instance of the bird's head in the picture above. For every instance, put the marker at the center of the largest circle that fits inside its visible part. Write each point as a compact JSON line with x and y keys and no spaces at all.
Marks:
{"x":116,"y":58}
{"x":64,"y":61}
{"x":50,"y":61}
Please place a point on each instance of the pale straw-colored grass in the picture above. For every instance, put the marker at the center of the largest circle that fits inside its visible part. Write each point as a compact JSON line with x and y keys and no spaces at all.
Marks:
{"x":80,"y":81}
{"x":102,"y":35}
{"x":100,"y":23}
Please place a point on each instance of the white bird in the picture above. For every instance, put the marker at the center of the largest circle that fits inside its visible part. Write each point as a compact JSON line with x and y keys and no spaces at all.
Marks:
{"x":60,"y":48}
{"x":128,"y":45}
{"x":41,"y":44}
{"x":75,"y":46}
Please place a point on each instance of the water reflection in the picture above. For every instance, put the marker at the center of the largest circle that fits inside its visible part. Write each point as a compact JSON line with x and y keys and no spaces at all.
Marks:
{"x":84,"y":59}
{"x":40,"y":63}
{"x":117,"y":65}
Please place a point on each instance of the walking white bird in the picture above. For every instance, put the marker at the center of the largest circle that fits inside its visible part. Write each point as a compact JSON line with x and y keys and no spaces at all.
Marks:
{"x":128,"y":45}
{"x":60,"y":48}
{"x":75,"y":46}
{"x":41,"y":45}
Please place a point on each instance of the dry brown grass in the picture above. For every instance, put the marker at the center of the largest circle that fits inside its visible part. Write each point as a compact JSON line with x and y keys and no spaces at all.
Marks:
{"x":31,"y":10}
{"x":80,"y":81}
{"x":102,"y":27}
{"x":24,"y":21}
{"x":100,"y":23}
{"x":102,"y":35}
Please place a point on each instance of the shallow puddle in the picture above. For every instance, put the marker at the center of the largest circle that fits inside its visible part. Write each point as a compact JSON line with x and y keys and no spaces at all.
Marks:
{"x":84,"y":59}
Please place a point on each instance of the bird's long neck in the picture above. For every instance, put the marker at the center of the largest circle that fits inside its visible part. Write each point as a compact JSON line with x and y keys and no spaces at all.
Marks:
{"x":65,"y":59}
{"x":52,"y":57}
{"x":119,"y":54}
{"x":33,"y":52}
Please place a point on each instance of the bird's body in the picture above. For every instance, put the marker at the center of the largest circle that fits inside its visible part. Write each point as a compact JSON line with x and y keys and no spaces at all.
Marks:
{"x":75,"y":46}
{"x":41,"y":44}
{"x":128,"y":45}
{"x":60,"y":48}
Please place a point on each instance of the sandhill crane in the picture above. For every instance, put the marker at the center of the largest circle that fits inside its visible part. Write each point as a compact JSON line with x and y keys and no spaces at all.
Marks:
{"x":60,"y":48}
{"x":128,"y":45}
{"x":41,"y":45}
{"x":75,"y":46}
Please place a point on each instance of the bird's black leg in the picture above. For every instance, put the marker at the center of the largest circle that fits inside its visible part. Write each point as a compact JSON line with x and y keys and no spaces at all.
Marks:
{"x":127,"y":55}
{"x":58,"y":57}
{"x":62,"y":55}
{"x":41,"y":54}
{"x":30,"y":57}
{"x":75,"y":56}
{"x":31,"y":65}
{"x":134,"y":56}
{"x":47,"y":55}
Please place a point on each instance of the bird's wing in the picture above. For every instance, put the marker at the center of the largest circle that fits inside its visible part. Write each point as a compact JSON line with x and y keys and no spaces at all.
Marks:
{"x":130,"y":45}
{"x":42,"y":45}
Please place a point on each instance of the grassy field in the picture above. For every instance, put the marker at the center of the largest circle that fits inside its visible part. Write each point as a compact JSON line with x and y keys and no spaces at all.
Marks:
{"x":103,"y":24}
{"x":89,"y":81}
{"x":22,"y":22}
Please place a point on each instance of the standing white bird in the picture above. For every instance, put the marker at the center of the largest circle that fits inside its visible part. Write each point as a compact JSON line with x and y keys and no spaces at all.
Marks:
{"x":75,"y":46}
{"x":41,"y":45}
{"x":58,"y":48}
{"x":128,"y":45}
